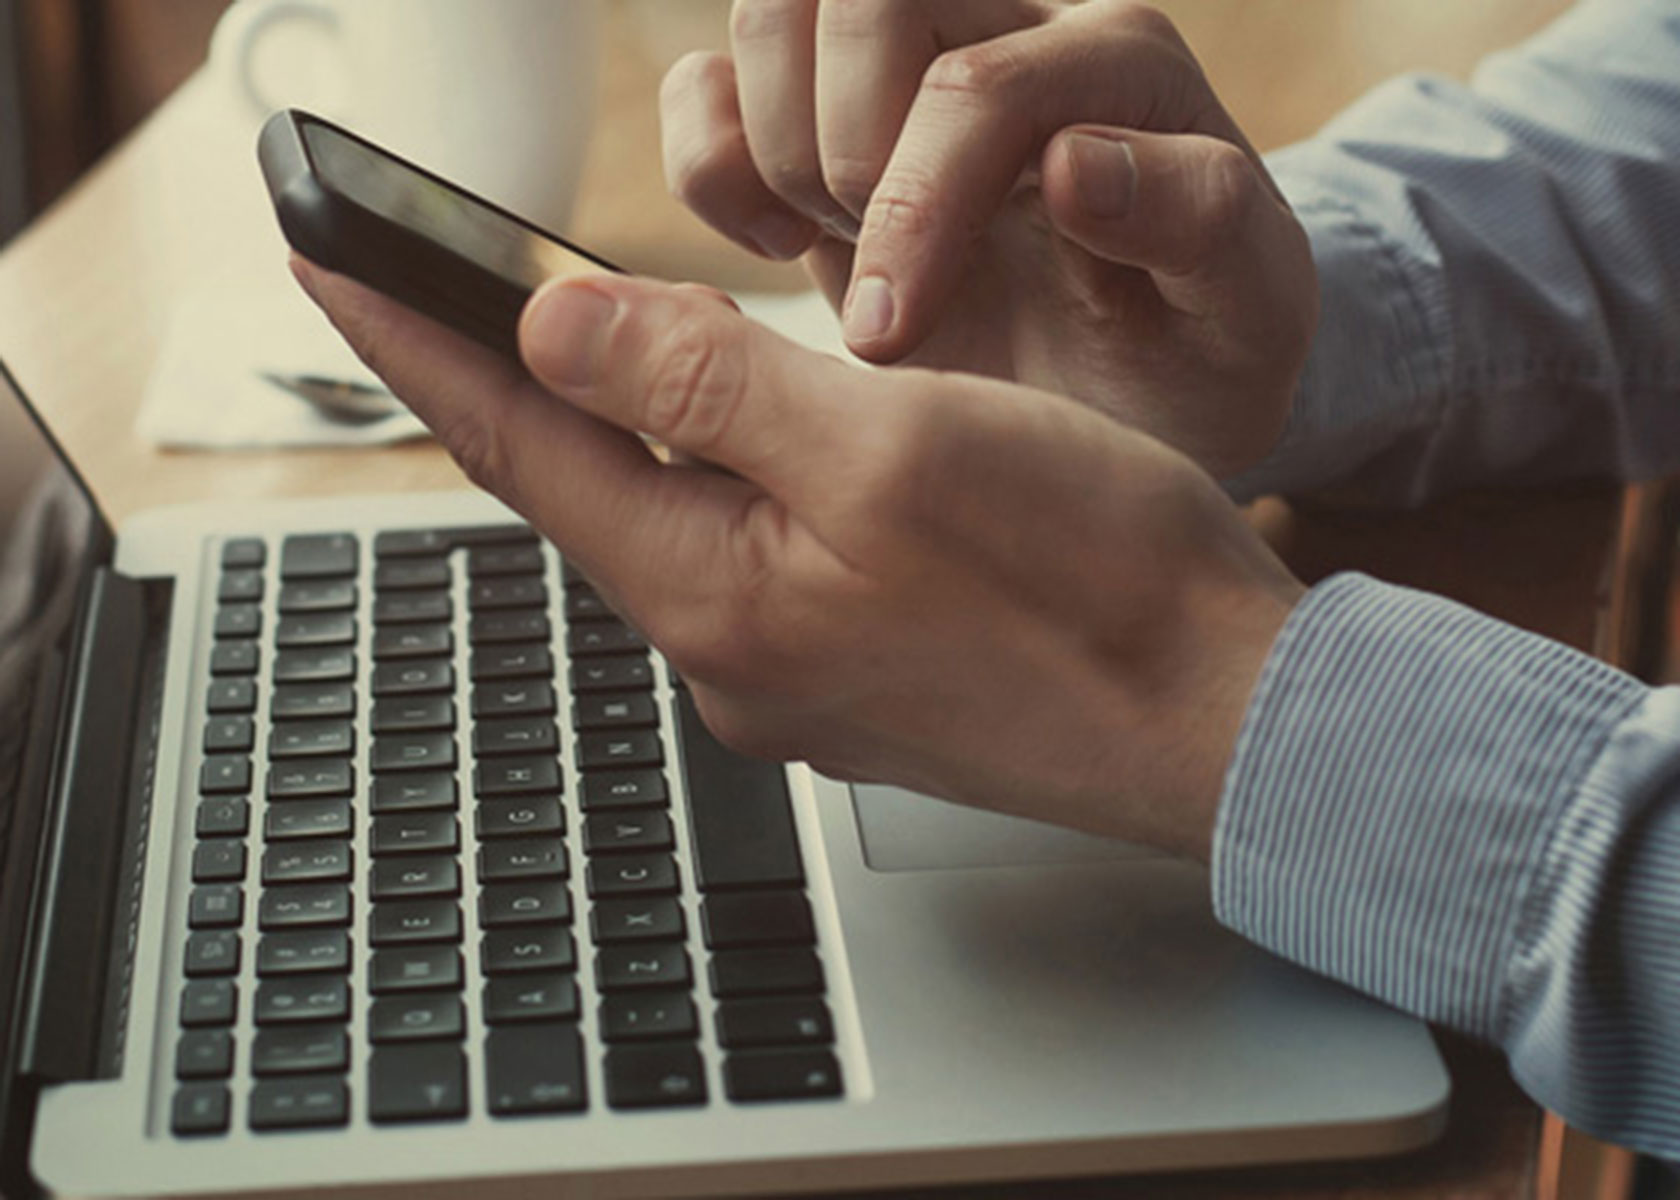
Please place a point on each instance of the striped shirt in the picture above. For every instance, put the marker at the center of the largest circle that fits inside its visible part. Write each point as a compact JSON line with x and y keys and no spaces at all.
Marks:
{"x":1473,"y":823}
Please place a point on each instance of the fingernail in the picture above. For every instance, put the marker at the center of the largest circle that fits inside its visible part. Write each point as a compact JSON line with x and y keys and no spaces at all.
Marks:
{"x":1104,"y":174}
{"x":869,"y":309}
{"x":780,"y":235}
{"x":565,"y":334}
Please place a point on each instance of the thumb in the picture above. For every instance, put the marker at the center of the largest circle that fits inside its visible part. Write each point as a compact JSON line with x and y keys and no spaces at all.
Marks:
{"x":1199,"y":213}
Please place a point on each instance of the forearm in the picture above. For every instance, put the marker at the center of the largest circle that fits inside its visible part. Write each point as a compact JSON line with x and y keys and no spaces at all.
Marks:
{"x":1475,"y":825}
{"x":1500,"y":266}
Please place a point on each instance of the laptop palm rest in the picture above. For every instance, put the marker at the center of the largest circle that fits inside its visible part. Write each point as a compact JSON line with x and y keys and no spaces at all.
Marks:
{"x":907,"y":831}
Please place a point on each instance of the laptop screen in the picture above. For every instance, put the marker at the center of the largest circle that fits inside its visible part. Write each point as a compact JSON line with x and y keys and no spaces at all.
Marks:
{"x":51,"y":536}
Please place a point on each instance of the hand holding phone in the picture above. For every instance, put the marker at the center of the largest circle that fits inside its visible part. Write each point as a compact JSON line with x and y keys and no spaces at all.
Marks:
{"x":355,"y":208}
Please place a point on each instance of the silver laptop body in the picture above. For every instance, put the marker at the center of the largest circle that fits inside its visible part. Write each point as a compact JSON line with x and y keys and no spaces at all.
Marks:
{"x":991,"y":999}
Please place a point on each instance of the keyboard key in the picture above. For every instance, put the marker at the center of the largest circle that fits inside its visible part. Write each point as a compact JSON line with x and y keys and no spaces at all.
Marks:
{"x":396,"y":642}
{"x":515,"y":735}
{"x":520,"y":591}
{"x":777,"y":1021}
{"x":624,"y":789}
{"x":633,"y":748}
{"x":415,"y":969}
{"x":781,"y":918}
{"x":297,"y":780}
{"x":318,"y":556}
{"x":229,"y":735}
{"x":414,"y":791}
{"x":522,"y":858}
{"x":220,"y":861}
{"x":627,"y":831}
{"x":487,"y":561}
{"x":640,"y":920}
{"x":415,"y":833}
{"x":223,"y":817}
{"x":533,"y":948}
{"x":633,"y":875}
{"x":200,"y":1109}
{"x":413,"y":877}
{"x":238,"y":621}
{"x":232,"y":696}
{"x":417,"y":574}
{"x":409,"y":543}
{"x":215,"y":906}
{"x":614,"y":710}
{"x":423,"y":1016}
{"x":315,"y":629}
{"x":417,"y":1083}
{"x":537,"y":996}
{"x":519,"y":817}
{"x":739,"y":812}
{"x":204,"y":1054}
{"x":239,"y":586}
{"x":212,"y":952}
{"x":303,"y":952}
{"x":405,"y":922}
{"x":329,"y":595}
{"x":304,"y":905}
{"x":641,"y":1017}
{"x":234,"y":658}
{"x":765,"y":972}
{"x":244,"y":552}
{"x":413,"y":678}
{"x":279,"y":1050}
{"x":781,"y":1075}
{"x":301,"y":701}
{"x":209,"y":1002}
{"x":411,"y":608}
{"x":307,"y":862}
{"x":603,"y":637}
{"x":621,"y":674}
{"x":413,"y":752}
{"x":584,"y":603}
{"x":311,"y":739}
{"x":648,"y":1076}
{"x":307,"y":819}
{"x":535,"y":775}
{"x":308,"y":1101}
{"x":628,"y":968}
{"x":224,"y":774}
{"x":289,"y":1000}
{"x":513,"y":698}
{"x":413,"y":714}
{"x":326,"y":664}
{"x":534,"y":1069}
{"x":528,"y":902}
{"x":513,"y":626}
{"x":511,"y":662}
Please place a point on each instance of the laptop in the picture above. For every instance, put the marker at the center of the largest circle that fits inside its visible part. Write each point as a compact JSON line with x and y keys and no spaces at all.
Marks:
{"x":357,"y":845}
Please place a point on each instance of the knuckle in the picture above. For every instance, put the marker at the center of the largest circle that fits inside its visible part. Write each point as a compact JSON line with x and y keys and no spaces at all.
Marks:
{"x":697,"y":386}
{"x":851,"y":181}
{"x":975,"y":73}
{"x":905,"y":204}
{"x":476,"y":445}
{"x":765,"y":20}
{"x":1229,"y":187}
{"x":1147,"y":20}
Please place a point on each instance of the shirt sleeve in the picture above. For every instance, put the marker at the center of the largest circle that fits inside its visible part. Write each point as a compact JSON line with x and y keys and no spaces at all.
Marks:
{"x":1500,"y":271}
{"x":1478,"y":826}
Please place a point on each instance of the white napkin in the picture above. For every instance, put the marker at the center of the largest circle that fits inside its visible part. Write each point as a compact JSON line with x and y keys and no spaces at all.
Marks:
{"x":206,"y":390}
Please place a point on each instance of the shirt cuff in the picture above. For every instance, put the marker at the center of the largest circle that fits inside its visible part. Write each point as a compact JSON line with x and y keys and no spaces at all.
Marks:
{"x":1400,"y":773}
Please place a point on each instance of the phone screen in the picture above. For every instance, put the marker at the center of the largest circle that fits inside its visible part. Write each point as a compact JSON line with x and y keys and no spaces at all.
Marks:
{"x":496,"y":242}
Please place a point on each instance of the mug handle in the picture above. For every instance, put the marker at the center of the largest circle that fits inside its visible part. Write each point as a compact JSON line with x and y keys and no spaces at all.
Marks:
{"x":245,"y":24}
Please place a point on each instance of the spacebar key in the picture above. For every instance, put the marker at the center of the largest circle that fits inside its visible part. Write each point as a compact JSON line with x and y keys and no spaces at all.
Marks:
{"x":738,"y":810}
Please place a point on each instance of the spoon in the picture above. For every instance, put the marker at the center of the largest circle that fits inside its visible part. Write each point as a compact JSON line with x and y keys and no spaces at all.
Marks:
{"x":343,"y":401}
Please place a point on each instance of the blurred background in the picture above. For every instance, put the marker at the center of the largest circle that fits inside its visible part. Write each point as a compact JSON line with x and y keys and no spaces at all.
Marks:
{"x":76,"y":75}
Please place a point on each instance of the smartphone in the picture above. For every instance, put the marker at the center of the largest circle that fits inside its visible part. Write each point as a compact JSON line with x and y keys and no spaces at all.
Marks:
{"x":352,"y":207}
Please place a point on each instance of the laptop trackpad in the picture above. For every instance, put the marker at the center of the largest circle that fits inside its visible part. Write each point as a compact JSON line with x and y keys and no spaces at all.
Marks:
{"x":907,"y":831}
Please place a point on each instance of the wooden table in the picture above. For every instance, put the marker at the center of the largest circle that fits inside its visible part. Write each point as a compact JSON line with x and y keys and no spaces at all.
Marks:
{"x":85,"y":292}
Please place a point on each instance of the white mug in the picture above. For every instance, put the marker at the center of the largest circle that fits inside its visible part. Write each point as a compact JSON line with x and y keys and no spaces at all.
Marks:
{"x":495,"y":95}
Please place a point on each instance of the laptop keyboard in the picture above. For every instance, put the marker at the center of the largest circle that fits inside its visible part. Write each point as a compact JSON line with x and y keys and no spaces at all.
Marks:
{"x":416,"y":896}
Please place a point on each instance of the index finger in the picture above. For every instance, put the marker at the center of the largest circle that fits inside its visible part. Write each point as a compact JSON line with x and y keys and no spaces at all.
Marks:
{"x":982,"y":118}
